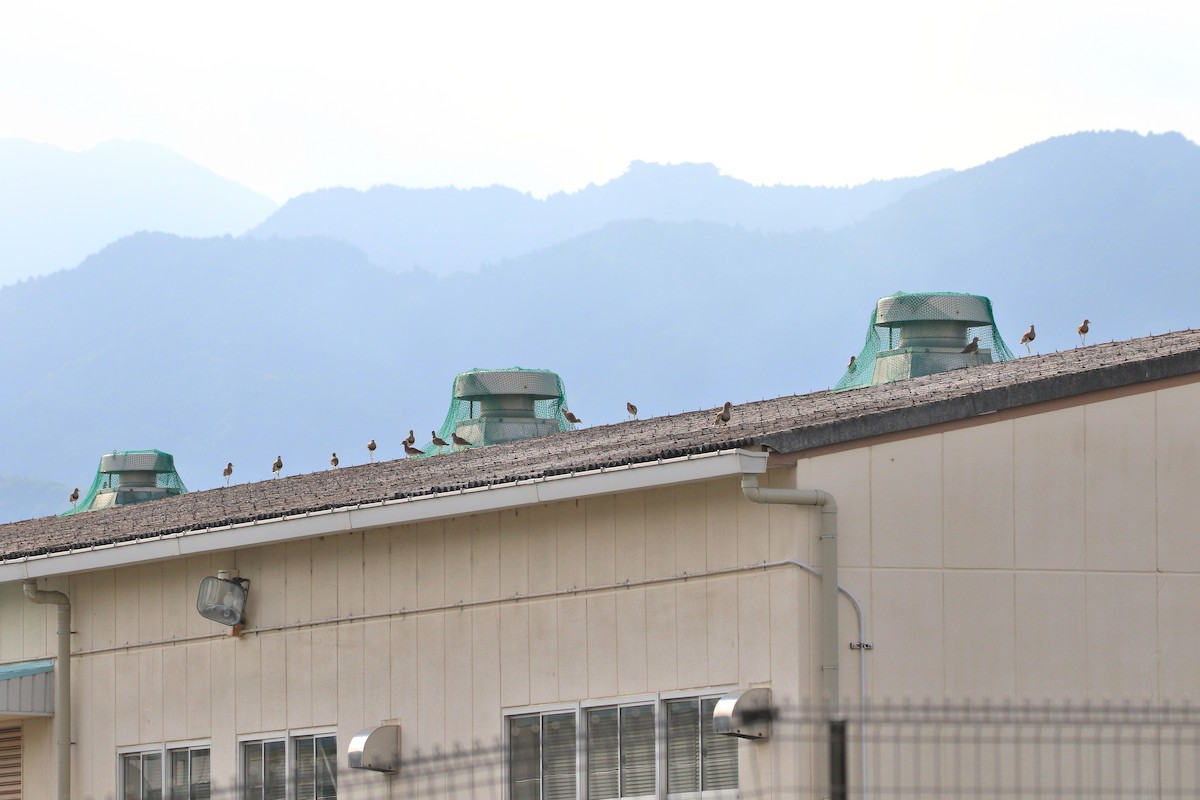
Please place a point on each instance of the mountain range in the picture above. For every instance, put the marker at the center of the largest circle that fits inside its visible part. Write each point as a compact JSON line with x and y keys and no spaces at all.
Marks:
{"x":300,"y":341}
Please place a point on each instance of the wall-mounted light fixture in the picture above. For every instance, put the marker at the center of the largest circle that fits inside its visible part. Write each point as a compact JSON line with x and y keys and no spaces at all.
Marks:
{"x":223,"y":599}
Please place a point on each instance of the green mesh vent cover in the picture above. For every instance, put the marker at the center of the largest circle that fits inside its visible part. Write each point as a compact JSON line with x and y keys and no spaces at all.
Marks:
{"x":130,"y":476}
{"x":922,"y":333}
{"x":493,"y":406}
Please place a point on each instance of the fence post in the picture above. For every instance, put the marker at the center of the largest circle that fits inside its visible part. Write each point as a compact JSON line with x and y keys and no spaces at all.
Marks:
{"x":837,"y":760}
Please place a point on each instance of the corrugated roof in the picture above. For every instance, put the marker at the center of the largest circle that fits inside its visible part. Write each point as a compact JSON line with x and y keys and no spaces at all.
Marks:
{"x":784,"y":424}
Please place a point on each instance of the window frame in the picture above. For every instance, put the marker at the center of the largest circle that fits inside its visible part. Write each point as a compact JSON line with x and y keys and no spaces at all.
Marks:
{"x":289,"y":738}
{"x":163,"y":750}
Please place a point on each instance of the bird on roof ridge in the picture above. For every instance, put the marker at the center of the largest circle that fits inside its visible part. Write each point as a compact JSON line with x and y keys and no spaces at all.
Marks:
{"x":438,"y":441}
{"x":458,"y":440}
{"x":972,"y":349}
{"x":409,"y":450}
{"x":570,"y":417}
{"x":277,"y":467}
{"x":74,"y":497}
{"x":1082,"y":330}
{"x":371,"y":449}
{"x":722,"y":417}
{"x":412,"y":438}
{"x":632,"y":409}
{"x":1029,"y":336}
{"x":333,"y":461}
{"x":227,"y":472}
{"x":850,"y":366}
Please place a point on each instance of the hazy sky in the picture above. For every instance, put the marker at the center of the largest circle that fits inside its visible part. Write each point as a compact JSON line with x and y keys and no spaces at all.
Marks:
{"x":287,"y":97}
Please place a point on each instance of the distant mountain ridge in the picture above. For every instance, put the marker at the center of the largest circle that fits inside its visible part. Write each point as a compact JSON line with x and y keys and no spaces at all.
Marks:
{"x":242,"y":349}
{"x":57,"y":207}
{"x":459,"y":230}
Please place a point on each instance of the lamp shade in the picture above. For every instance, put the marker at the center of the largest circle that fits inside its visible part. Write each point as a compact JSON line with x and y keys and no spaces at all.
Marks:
{"x":223,"y":600}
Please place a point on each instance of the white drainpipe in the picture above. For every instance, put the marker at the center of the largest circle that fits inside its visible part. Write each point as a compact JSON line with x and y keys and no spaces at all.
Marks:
{"x":62,"y":682}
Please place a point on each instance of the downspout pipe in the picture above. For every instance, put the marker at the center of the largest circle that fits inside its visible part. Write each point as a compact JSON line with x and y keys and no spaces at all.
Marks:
{"x":62,"y":682}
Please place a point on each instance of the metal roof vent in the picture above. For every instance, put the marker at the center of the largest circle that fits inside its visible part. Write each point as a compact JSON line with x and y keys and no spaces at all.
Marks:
{"x":493,"y":406}
{"x":922,"y":333}
{"x":131,"y":476}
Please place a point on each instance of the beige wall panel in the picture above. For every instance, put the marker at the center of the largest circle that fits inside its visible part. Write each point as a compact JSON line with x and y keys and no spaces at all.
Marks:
{"x":299,"y":652}
{"x":1050,"y":489}
{"x":404,"y":568}
{"x":82,"y":606}
{"x":297,"y":579}
{"x":377,"y":671}
{"x":601,"y":540}
{"x":514,"y":553}
{"x":753,"y":532}
{"x":324,"y":594}
{"x":793,"y":530}
{"x":542,"y":657}
{"x":351,"y":674}
{"x":248,"y":564}
{"x":431,"y":679}
{"x":126,"y":592}
{"x":515,"y":654}
{"x":431,"y":565}
{"x":459,"y":690}
{"x":908,"y":660}
{"x":404,"y":679}
{"x":150,"y":695}
{"x":980,"y":635}
{"x":223,"y":680}
{"x":198,"y":703}
{"x":1120,"y":472}
{"x":662,"y":653}
{"x":847,"y":476}
{"x":273,"y":692}
{"x":754,"y":636}
{"x":324,"y":675}
{"x":100,"y":730}
{"x":601,"y":645}
{"x":691,"y":530}
{"x":788,"y":629}
{"x":12,"y":621}
{"x":485,"y":673}
{"x":1179,"y":637}
{"x":37,"y":756}
{"x":571,"y":520}
{"x":630,"y":607}
{"x":248,"y":684}
{"x":977,"y":501}
{"x":150,"y":602}
{"x":349,"y":586}
{"x":83,"y":722}
{"x":722,"y":629}
{"x":176,"y":697}
{"x":1122,"y":636}
{"x":721,"y":526}
{"x":270,"y":604}
{"x":197,"y":568}
{"x":541,"y":536}
{"x":458,"y":560}
{"x":376,"y":577}
{"x":660,"y":533}
{"x":691,"y":620}
{"x":906,"y":503}
{"x":485,"y":561}
{"x":1051,"y":635}
{"x":572,"y":648}
{"x":179,"y":598}
{"x":1178,"y":500}
{"x":630,"y":533}
{"x":126,"y":699}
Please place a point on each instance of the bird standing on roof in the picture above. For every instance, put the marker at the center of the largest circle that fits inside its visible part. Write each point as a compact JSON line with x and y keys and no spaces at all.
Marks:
{"x":438,"y":441}
{"x":227,"y":472}
{"x":333,"y":461}
{"x":570,"y":417}
{"x":850,"y":366}
{"x":74,"y":497}
{"x":973,"y":350}
{"x":1029,"y":336}
{"x":458,"y":440}
{"x":277,"y":467}
{"x":1082,"y":330}
{"x":409,"y":450}
{"x":722,"y":416}
{"x":371,"y":449}
{"x":412,"y":438}
{"x":632,"y":409}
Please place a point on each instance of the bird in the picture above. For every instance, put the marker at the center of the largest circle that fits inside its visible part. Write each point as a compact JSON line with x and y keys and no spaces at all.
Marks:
{"x":458,"y":440}
{"x":227,"y":472}
{"x":850,"y":366}
{"x":412,"y":438}
{"x":333,"y":461}
{"x":371,"y":449}
{"x":277,"y":467}
{"x":1029,"y":336}
{"x":973,"y":349}
{"x":75,"y":496}
{"x":723,"y":415}
{"x":570,"y":417}
{"x":438,"y":441}
{"x":409,"y":450}
{"x":1082,"y":330}
{"x":632,"y":409}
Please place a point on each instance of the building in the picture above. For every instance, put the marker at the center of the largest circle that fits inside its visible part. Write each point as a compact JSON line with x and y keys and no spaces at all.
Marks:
{"x":1027,"y":529}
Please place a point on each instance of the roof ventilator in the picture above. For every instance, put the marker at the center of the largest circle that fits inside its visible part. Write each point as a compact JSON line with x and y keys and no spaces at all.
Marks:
{"x":131,"y":476}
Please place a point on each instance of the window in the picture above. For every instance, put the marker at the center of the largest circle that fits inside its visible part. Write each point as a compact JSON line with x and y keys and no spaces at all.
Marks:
{"x":647,"y":749}
{"x":184,"y":771}
{"x":299,"y":768}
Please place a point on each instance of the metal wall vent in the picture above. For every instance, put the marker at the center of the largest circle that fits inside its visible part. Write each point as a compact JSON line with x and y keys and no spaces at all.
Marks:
{"x":746,"y":713}
{"x":375,"y":749}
